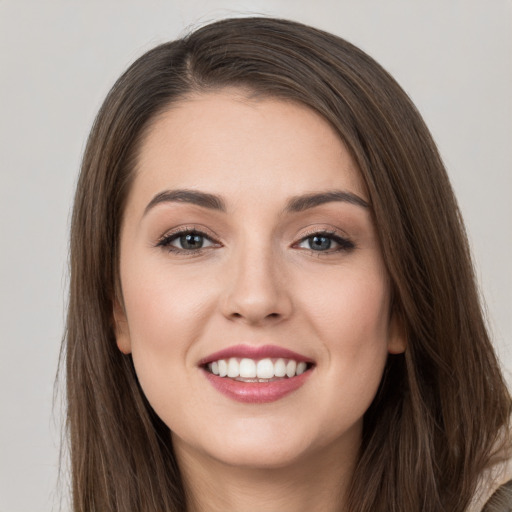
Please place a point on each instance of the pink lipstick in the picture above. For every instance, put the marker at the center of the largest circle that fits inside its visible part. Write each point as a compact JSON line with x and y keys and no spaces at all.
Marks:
{"x":256,"y":374}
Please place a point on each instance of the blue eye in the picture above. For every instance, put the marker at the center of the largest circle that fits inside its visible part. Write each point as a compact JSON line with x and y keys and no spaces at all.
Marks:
{"x":186,"y":241}
{"x":190,"y":241}
{"x":325,"y":242}
{"x":319,"y":243}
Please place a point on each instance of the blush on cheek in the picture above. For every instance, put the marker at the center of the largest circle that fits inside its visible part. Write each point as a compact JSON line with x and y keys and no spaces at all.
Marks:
{"x":363,"y":311}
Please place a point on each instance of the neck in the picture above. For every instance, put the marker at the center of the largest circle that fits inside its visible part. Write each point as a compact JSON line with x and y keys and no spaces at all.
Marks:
{"x":318,"y":482}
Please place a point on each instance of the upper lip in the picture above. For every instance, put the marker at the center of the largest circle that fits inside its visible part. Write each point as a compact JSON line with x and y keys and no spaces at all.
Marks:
{"x":255,"y":352}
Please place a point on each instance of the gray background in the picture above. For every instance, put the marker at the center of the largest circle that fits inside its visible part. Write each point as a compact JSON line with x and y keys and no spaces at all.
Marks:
{"x":57,"y":62}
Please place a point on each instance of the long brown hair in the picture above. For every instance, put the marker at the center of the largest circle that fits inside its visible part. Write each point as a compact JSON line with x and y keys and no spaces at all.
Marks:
{"x":442,"y":406}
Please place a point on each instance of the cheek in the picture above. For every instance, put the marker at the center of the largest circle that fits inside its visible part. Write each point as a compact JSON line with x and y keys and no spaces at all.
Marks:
{"x":166,"y":316}
{"x":351,"y":317}
{"x":352,"y":311}
{"x":164,"y":308}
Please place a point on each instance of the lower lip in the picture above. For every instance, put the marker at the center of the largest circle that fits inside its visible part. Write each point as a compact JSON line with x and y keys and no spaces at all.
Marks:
{"x":256,"y":392}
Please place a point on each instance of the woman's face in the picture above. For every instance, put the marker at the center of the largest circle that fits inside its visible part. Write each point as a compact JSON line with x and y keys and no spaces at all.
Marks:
{"x":248,"y":247}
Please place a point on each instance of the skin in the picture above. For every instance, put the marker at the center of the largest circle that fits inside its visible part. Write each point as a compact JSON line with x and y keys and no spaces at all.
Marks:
{"x":256,"y":281}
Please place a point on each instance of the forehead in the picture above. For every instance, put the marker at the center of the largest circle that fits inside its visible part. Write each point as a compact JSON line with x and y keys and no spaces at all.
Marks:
{"x":226,"y":142}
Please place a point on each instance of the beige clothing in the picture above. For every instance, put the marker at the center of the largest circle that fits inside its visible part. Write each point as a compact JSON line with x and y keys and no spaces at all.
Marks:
{"x":493,"y":478}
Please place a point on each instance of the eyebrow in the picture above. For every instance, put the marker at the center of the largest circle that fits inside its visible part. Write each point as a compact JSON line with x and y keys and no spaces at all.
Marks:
{"x":304,"y":202}
{"x":295,"y":204}
{"x":203,"y":199}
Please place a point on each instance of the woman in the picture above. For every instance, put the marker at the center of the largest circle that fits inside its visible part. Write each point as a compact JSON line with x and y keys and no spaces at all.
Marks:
{"x":272,"y":303}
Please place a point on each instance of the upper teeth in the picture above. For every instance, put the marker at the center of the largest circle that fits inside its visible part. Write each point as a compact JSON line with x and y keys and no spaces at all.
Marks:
{"x":252,"y":369}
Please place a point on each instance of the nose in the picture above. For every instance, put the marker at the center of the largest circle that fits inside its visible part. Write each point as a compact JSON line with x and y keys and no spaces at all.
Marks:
{"x":257,"y":292}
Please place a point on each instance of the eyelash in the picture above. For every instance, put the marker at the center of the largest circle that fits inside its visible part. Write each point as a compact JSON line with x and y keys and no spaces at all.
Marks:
{"x":344,"y":244}
{"x":166,"y":241}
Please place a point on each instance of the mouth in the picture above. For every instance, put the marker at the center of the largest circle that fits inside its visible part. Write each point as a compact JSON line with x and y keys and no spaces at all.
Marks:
{"x":256,"y":374}
{"x":252,"y":370}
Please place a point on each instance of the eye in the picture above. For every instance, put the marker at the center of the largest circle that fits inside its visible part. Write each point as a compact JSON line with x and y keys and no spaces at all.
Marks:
{"x":325,"y":242}
{"x":186,"y":241}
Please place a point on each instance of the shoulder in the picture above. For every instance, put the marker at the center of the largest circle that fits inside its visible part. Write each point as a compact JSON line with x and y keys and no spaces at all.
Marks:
{"x":494,"y":493}
{"x":501,"y":500}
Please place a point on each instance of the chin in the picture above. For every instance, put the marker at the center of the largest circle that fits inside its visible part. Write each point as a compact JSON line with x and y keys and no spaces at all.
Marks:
{"x":250,"y":443}
{"x":256,"y":456}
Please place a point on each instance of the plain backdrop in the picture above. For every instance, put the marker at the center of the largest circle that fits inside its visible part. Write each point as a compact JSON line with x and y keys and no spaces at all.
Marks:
{"x":57,"y":61}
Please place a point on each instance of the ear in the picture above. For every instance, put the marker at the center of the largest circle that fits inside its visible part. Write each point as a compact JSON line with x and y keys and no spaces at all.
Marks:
{"x":397,"y":338}
{"x":121,"y":329}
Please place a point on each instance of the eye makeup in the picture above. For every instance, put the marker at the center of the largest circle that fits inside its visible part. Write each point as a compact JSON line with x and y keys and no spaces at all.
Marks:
{"x":187,"y":240}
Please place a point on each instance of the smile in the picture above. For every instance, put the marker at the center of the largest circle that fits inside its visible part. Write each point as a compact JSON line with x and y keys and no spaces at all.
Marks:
{"x":251,"y":370}
{"x":256,"y":374}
